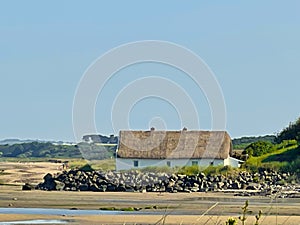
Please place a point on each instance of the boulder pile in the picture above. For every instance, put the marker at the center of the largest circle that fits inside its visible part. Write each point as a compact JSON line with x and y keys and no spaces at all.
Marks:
{"x":264,"y":182}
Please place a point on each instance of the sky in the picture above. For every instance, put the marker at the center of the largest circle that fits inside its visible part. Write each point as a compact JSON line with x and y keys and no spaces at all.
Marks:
{"x":252,"y":47}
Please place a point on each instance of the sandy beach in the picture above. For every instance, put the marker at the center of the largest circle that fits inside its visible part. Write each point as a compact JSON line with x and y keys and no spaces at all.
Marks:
{"x":156,"y":208}
{"x":179,"y":208}
{"x":174,"y":220}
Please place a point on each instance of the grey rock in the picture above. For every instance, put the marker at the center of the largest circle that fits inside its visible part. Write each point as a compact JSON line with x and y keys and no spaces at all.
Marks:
{"x":59,"y":186}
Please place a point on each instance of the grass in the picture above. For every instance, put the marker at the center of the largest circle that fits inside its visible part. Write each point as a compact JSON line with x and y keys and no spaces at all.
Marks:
{"x":158,"y":169}
{"x":263,"y":158}
{"x":281,"y":159}
{"x":288,"y":155}
{"x":30,"y":159}
{"x":105,"y":164}
{"x":210,"y":170}
{"x":192,"y":170}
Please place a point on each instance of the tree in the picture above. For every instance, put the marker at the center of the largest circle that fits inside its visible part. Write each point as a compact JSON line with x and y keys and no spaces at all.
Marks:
{"x":292,"y":132}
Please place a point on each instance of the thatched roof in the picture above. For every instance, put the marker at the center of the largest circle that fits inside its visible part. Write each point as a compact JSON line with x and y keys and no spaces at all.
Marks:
{"x":174,"y":144}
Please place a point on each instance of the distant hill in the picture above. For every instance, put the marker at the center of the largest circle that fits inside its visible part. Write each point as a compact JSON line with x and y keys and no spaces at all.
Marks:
{"x":50,"y":150}
{"x":12,"y":141}
{"x":93,"y":147}
{"x":98,"y":138}
{"x":243,"y":142}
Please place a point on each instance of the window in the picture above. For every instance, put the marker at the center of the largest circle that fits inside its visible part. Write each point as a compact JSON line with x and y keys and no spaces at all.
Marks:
{"x":136,"y":163}
{"x":194,"y":163}
{"x":169,"y":163}
{"x":212,"y":163}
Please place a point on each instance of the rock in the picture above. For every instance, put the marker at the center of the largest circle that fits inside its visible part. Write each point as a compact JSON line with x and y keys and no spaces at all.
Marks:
{"x":73,"y":188}
{"x":27,"y":187}
{"x":170,"y":189}
{"x":220,"y":185}
{"x":251,"y":187}
{"x":47,"y":177}
{"x":83,"y":187}
{"x":121,"y":189}
{"x":236,"y":185}
{"x":48,"y":184}
{"x":201,"y":175}
{"x":94,"y":187}
{"x":129,"y":189}
{"x":194,"y":189}
{"x":59,"y":186}
{"x":111,"y":188}
{"x":268,"y":182}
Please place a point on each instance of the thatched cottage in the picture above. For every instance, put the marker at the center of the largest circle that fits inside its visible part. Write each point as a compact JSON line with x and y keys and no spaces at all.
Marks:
{"x":138,"y":149}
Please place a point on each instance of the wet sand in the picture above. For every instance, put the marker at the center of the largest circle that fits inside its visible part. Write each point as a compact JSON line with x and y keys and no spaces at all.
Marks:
{"x":138,"y":219}
{"x":180,"y":208}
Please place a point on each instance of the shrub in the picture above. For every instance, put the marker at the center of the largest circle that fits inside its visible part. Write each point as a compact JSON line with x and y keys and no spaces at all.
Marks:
{"x":259,"y":148}
{"x":231,"y":221}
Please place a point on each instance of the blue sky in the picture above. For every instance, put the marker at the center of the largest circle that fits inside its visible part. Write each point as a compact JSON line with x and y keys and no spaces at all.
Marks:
{"x":252,"y":47}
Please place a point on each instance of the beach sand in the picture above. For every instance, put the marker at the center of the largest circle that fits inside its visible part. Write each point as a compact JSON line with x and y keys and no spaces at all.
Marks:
{"x":179,"y":208}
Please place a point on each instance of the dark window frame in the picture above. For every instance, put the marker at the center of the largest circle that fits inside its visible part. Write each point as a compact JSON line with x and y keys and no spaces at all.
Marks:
{"x":195,"y":163}
{"x":169,"y":163}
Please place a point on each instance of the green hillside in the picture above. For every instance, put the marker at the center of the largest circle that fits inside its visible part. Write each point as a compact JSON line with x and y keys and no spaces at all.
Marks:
{"x":283,"y":156}
{"x":285,"y":159}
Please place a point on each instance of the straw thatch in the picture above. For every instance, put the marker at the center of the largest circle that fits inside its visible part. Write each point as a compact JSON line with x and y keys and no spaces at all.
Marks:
{"x":174,"y":144}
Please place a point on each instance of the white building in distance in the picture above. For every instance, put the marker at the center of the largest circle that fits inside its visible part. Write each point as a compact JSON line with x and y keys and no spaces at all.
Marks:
{"x":140,"y":149}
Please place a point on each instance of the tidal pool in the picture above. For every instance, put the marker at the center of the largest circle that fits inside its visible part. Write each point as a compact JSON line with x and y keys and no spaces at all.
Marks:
{"x":35,"y":222}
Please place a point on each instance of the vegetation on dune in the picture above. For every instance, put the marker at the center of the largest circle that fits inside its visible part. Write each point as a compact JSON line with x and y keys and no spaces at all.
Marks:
{"x":158,"y":169}
{"x":284,"y":160}
{"x":105,"y":164}
{"x":292,"y":132}
{"x":192,"y":170}
{"x":49,"y":150}
{"x":283,"y":156}
{"x":209,"y":170}
{"x":263,"y":147}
